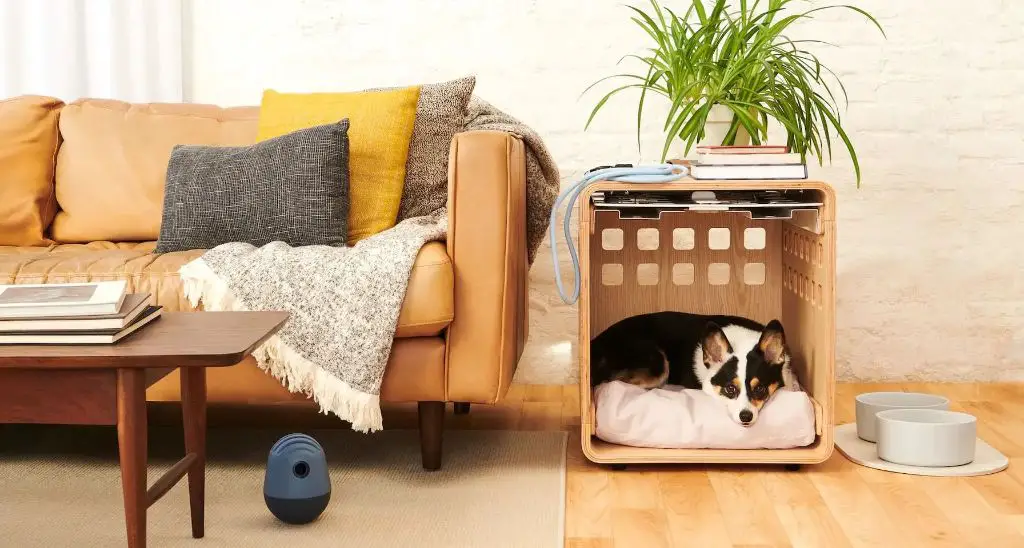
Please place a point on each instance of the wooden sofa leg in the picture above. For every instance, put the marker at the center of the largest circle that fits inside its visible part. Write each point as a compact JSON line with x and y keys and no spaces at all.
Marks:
{"x":431,"y":429}
{"x":461,"y":407}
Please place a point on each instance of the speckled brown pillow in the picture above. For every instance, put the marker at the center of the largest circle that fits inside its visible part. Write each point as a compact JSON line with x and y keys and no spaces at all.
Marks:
{"x":440,"y":114}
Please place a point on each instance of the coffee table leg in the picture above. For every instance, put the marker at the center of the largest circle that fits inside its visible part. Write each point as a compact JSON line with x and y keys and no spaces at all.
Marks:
{"x":193,"y":408}
{"x":131,"y":441}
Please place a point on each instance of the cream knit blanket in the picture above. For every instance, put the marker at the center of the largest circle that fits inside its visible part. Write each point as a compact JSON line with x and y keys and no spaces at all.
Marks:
{"x":345,"y":301}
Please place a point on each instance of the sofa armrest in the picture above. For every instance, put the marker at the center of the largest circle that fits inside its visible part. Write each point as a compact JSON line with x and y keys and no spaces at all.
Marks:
{"x":487,"y":246}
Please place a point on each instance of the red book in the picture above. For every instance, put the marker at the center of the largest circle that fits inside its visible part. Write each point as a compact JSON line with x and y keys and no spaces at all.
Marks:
{"x":745,"y":149}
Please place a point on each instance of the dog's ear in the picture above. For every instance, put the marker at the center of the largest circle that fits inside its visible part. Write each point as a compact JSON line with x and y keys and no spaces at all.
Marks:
{"x":773,"y":343}
{"x":714,"y":344}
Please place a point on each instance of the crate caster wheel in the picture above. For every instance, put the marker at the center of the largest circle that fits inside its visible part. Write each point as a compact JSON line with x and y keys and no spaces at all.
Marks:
{"x":618,"y":467}
{"x":792,"y":467}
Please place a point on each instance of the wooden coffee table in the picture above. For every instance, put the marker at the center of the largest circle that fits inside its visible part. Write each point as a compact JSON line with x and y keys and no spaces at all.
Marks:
{"x":106,"y":384}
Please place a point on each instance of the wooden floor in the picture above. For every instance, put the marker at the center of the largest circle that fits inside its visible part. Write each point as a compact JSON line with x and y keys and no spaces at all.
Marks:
{"x":832,"y":505}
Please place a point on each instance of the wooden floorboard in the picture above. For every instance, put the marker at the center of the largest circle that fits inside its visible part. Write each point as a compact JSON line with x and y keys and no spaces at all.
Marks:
{"x":836,"y":504}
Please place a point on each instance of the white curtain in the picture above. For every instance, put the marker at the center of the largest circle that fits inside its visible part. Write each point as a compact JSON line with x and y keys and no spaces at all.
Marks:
{"x":115,"y":49}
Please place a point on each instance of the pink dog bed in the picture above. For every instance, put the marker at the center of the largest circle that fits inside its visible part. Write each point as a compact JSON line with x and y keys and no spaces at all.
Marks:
{"x":678,"y":418}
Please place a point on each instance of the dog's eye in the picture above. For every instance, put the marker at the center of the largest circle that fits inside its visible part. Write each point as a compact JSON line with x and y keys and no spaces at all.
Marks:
{"x":759,"y":392}
{"x":730,"y":391}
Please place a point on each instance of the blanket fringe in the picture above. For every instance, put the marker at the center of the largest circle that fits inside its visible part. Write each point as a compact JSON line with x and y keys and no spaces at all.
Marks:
{"x":294,"y":371}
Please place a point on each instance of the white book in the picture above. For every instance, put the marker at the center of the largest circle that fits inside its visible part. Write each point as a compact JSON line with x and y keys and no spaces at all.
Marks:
{"x":61,"y":300}
{"x":104,"y":336}
{"x":134,"y":305}
{"x":748,"y":159}
{"x":749,"y":173}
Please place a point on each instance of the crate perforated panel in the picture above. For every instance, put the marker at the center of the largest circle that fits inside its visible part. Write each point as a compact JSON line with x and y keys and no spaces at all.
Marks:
{"x":705,"y":263}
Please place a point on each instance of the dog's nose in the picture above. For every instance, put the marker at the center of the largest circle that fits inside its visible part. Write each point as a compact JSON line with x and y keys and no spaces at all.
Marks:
{"x":746,"y":416}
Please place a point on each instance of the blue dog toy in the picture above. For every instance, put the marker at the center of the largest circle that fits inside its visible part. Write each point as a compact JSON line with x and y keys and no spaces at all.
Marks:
{"x":296,"y":486}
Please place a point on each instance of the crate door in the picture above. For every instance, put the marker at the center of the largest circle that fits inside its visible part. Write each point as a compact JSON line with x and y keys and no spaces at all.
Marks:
{"x":703,"y":263}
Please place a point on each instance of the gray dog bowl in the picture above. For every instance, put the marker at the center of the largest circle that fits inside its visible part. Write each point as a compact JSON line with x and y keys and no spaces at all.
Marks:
{"x":870,"y":403}
{"x":926,"y":437}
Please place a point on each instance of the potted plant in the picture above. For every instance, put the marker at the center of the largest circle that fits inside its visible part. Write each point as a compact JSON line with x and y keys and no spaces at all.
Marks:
{"x":727,"y":70}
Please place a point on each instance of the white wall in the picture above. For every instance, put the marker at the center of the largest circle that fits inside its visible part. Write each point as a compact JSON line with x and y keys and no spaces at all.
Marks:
{"x":930,"y":254}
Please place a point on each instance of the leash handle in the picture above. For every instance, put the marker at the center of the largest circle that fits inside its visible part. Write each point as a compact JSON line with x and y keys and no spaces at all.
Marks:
{"x":658,"y":173}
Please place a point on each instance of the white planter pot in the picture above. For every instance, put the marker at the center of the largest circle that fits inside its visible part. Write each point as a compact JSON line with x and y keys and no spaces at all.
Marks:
{"x":715,"y":130}
{"x":717,"y":126}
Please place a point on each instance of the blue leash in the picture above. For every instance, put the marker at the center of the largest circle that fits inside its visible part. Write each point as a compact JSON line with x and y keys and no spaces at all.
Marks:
{"x":659,"y":173}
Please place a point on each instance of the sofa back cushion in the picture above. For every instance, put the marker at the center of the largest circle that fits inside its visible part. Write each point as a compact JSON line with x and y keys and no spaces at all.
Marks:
{"x":112,"y":165}
{"x":28,"y":143}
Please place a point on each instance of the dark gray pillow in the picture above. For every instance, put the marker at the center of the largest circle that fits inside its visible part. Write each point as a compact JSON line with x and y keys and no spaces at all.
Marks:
{"x":292,"y":188}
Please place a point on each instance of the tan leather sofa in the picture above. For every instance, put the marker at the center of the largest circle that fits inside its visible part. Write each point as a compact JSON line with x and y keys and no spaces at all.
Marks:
{"x":81,"y":190}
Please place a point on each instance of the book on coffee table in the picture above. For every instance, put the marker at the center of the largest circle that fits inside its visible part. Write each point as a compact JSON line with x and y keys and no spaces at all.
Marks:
{"x":61,"y":300}
{"x":134,"y":304}
{"x":95,"y":336}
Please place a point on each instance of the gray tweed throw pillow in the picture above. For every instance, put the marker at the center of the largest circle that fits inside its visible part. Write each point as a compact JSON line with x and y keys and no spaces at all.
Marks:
{"x":440,"y":113}
{"x":292,"y":188}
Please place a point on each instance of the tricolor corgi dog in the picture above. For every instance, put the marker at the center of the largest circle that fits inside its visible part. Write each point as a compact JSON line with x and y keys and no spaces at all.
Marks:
{"x":738,"y":361}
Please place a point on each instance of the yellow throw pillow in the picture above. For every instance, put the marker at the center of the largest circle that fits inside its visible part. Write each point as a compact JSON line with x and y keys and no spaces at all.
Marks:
{"x":380,"y":128}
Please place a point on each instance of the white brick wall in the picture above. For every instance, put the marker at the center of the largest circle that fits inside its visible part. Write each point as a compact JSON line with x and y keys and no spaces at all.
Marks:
{"x":931,"y":265}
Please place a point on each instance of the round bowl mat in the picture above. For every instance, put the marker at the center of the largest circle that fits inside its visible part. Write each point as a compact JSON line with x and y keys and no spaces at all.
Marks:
{"x":987,"y":459}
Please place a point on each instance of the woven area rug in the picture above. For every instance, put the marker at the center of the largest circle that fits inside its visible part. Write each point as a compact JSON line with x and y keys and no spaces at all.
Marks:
{"x":61,"y":487}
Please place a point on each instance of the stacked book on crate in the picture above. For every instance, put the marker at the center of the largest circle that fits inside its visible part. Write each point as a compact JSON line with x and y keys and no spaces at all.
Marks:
{"x":758,"y":162}
{"x":72,"y":313}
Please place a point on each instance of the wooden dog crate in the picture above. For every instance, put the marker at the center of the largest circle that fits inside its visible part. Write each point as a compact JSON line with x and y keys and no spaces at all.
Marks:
{"x":761,"y":262}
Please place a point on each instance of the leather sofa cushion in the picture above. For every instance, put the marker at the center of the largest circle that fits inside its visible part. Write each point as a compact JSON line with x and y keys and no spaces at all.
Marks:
{"x":28,"y":144}
{"x":112,"y":164}
{"x":427,"y":310}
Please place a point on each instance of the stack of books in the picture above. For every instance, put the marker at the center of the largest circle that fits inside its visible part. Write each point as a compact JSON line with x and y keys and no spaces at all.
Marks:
{"x":747,"y":163}
{"x":72,"y":313}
